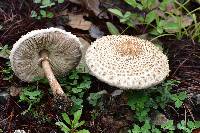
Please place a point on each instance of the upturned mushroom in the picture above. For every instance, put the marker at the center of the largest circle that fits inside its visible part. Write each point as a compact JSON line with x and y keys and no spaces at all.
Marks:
{"x":127,"y":62}
{"x":43,"y":53}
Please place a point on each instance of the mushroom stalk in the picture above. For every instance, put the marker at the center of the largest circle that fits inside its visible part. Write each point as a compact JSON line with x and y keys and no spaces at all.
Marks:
{"x":55,"y":86}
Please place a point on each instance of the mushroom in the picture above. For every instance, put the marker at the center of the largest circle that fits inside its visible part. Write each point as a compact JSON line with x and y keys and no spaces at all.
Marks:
{"x":43,"y":53}
{"x":127,"y":62}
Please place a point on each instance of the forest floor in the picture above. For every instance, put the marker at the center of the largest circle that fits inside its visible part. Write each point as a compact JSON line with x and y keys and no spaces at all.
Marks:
{"x":184,"y":61}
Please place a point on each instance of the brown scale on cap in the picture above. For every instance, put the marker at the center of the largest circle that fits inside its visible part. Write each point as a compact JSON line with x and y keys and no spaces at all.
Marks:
{"x":128,"y":48}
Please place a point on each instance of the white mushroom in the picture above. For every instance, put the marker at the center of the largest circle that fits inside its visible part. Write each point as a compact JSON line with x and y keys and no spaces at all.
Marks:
{"x":127,"y":62}
{"x":43,"y":53}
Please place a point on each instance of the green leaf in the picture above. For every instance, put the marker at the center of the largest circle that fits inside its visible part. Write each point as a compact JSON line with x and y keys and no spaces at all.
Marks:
{"x":76,"y":90}
{"x":136,"y":129}
{"x":144,"y":3}
{"x":83,"y":131}
{"x":174,"y":97}
{"x":197,"y":124}
{"x":168,"y":125}
{"x":93,"y":98}
{"x":77,"y":116}
{"x":155,"y":130}
{"x":79,"y":124}
{"x":139,"y":6}
{"x":4,"y":52}
{"x":116,"y":12}
{"x":66,"y":118}
{"x":171,"y":26}
{"x":152,"y":4}
{"x":191,"y":124}
{"x":178,"y":103}
{"x":74,"y":75}
{"x":163,"y":4}
{"x":150,"y":17}
{"x":133,"y":3}
{"x":36,"y":1}
{"x":43,"y":13}
{"x":182,"y":95}
{"x":33,"y":14}
{"x":146,"y":127}
{"x":182,"y":126}
{"x":46,"y":2}
{"x":63,"y":127}
{"x":77,"y":104}
{"x":61,"y":1}
{"x":32,"y":94}
{"x":112,"y":29}
{"x":50,"y":15}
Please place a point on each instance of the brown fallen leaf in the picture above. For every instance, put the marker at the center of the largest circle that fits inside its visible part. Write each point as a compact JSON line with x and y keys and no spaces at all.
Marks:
{"x":15,"y":91}
{"x":92,"y":5}
{"x":77,"y":21}
{"x":158,"y":118}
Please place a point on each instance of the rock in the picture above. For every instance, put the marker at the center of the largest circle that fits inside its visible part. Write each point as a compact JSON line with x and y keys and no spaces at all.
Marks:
{"x":3,"y":97}
{"x":95,"y":32}
{"x":19,"y":131}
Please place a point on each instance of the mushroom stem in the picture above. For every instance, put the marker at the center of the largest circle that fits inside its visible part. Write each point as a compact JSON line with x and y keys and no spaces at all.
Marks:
{"x":55,"y":86}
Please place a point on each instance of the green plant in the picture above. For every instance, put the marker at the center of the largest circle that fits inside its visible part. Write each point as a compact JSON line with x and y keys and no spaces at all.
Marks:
{"x":44,"y":5}
{"x":112,"y":29}
{"x":1,"y":131}
{"x":160,"y":18}
{"x":31,"y":96}
{"x":76,"y":84}
{"x":4,"y":52}
{"x":143,"y":102}
{"x":7,"y":72}
{"x":70,"y":126}
{"x":169,"y":126}
{"x":147,"y":127}
{"x":178,"y":98}
{"x":95,"y":98}
{"x":189,"y":126}
{"x":157,"y":97}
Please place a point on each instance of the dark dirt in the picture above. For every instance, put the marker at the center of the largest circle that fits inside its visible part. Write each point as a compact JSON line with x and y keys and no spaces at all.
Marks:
{"x":184,"y":57}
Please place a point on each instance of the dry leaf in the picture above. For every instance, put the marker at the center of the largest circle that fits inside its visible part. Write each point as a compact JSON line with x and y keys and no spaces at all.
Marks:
{"x":77,"y":21}
{"x":160,"y":13}
{"x":186,"y":20}
{"x":92,"y":5}
{"x":158,"y":118}
{"x":15,"y":91}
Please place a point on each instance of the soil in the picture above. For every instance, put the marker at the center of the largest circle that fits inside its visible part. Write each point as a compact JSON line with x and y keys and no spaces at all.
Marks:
{"x":184,"y":59}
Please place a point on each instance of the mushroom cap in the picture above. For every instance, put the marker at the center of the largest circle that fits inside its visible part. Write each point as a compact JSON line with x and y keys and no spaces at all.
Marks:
{"x":64,"y":53}
{"x":127,"y":62}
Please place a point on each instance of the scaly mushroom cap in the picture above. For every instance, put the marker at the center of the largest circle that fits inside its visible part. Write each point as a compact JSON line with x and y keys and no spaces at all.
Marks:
{"x":127,"y":62}
{"x":63,"y":53}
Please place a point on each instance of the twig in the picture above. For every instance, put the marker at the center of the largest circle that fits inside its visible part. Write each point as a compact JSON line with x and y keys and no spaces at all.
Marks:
{"x":186,"y":106}
{"x":10,"y":121}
